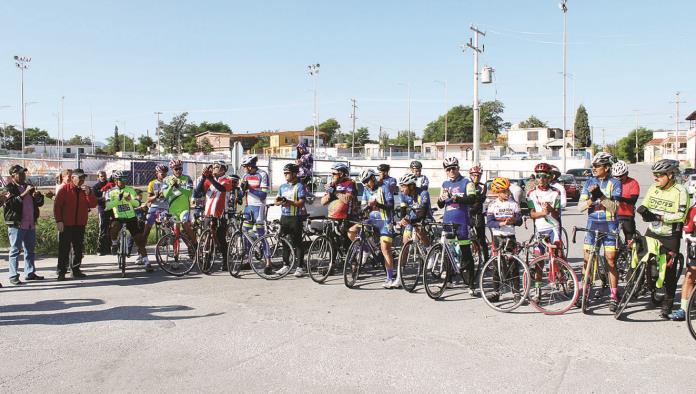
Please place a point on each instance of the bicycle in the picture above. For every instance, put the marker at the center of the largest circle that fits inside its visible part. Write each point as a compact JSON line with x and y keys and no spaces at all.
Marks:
{"x":594,"y":270}
{"x":361,"y":250}
{"x":644,"y":278}
{"x":442,"y":261}
{"x":275,"y":251}
{"x":123,"y":249}
{"x":327,"y":252}
{"x":564,"y":238}
{"x":505,"y":278}
{"x":208,"y":246}
{"x":174,"y":251}
{"x":411,"y":258}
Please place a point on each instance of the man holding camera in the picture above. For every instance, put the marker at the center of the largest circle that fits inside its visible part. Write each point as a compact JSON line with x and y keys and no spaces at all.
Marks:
{"x":215,"y":185}
{"x":71,"y":209}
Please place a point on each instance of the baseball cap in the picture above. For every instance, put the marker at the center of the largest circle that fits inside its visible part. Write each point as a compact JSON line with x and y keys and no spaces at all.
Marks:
{"x":16,"y":169}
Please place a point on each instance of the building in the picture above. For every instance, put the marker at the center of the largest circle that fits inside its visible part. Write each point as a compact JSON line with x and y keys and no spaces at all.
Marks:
{"x":67,"y":151}
{"x":691,"y":140}
{"x":280,"y":143}
{"x":464,"y":150}
{"x":665,"y":146}
{"x":538,"y":141}
{"x":220,"y":141}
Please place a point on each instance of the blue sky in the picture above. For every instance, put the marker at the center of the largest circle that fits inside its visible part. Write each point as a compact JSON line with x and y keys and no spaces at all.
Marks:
{"x":245,"y":63}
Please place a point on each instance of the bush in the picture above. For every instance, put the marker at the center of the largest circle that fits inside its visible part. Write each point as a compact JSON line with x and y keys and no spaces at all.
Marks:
{"x":47,"y":236}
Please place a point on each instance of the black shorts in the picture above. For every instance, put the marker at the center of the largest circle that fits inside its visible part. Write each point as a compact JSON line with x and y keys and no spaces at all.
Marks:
{"x":628,"y":225}
{"x":132,"y":225}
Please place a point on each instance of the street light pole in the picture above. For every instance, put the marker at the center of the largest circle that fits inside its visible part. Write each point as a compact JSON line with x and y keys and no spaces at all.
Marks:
{"x":444,"y":83}
{"x":157,"y":130}
{"x":62,"y":123}
{"x":637,"y":112}
{"x":564,"y":8}
{"x":314,"y":72}
{"x":477,"y":116}
{"x":22,"y":63}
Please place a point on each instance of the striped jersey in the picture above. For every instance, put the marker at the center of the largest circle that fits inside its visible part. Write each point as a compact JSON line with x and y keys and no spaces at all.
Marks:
{"x":258,"y":188}
{"x":216,"y":200}
{"x":385,"y":202}
{"x":292,"y":192}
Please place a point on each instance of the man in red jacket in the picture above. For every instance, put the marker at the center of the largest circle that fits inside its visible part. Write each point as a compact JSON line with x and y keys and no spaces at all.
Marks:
{"x":70,"y":209}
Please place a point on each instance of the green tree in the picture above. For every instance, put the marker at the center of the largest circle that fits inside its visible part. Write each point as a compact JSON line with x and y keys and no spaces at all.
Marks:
{"x":362,"y":136}
{"x":145,"y":144}
{"x":176,"y":134}
{"x":383,"y":139}
{"x":123,"y":143}
{"x":217,"y":127}
{"x":78,"y":140}
{"x":11,"y":138}
{"x":625,"y":148}
{"x":113,"y":144}
{"x":263,"y":142}
{"x":331,"y":127}
{"x":492,"y":123}
{"x":531,"y":122}
{"x":205,"y":146}
{"x":402,"y":139}
{"x":460,"y":124}
{"x":583,"y":134}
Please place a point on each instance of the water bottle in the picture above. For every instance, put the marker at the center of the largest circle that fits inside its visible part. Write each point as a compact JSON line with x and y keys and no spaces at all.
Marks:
{"x":457,"y":254}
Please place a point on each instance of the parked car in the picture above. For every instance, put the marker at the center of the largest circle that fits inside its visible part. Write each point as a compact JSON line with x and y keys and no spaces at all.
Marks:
{"x":686,"y":174}
{"x":571,"y":187}
{"x":581,"y":175}
{"x":517,"y":156}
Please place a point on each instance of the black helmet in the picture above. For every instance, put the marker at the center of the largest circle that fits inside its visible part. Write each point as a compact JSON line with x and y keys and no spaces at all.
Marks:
{"x":666,"y":166}
{"x":416,"y":164}
{"x":291,"y":167}
{"x":383,"y":167}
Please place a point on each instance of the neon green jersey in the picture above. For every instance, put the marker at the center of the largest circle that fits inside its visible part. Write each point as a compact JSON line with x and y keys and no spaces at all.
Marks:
{"x":671,"y":204}
{"x":178,"y":193}
{"x":117,"y":200}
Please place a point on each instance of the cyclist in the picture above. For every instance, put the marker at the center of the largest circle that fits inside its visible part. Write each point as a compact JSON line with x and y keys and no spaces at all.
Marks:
{"x":384,"y":178}
{"x":414,"y":207}
{"x":502,"y":215}
{"x":178,"y":194}
{"x":690,"y":274}
{"x":456,"y":197}
{"x":664,"y":207}
{"x":235,"y":199}
{"x":255,"y":187}
{"x":156,"y":201}
{"x":630,"y":190}
{"x":545,"y":208}
{"x":422,"y":181}
{"x":599,"y":196}
{"x":123,"y":200}
{"x":291,"y":197}
{"x":478,"y":220}
{"x":556,"y":184}
{"x":215,"y":185}
{"x":305,"y":161}
{"x":378,"y":202}
{"x":341,"y":195}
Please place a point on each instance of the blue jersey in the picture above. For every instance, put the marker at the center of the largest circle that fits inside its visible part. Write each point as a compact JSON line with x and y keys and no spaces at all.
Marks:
{"x":292,"y":192}
{"x":455,"y":212}
{"x":385,"y":202}
{"x":415,"y":205}
{"x":422,"y":183}
{"x":611,"y":188}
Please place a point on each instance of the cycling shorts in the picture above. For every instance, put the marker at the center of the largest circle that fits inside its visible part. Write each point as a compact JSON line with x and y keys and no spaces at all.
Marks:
{"x":608,"y":241}
{"x":554,"y":238}
{"x":385,"y":229}
{"x":131,"y":225}
{"x":255,"y":214}
{"x":184,"y":216}
{"x":628,"y":225}
{"x":153,"y":214}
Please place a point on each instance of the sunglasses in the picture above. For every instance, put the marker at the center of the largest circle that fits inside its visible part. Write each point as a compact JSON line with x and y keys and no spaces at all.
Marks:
{"x":448,"y":169}
{"x":336,"y":173}
{"x":597,"y":165}
{"x":659,"y":174}
{"x":543,"y":175}
{"x":286,"y":173}
{"x":177,"y":169}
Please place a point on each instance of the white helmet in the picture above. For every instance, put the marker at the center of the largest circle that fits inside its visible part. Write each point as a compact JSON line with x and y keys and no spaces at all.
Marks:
{"x":603,"y":159}
{"x":250,"y":160}
{"x":366,"y":175}
{"x":408,"y":179}
{"x":450,"y":162}
{"x":619,"y":168}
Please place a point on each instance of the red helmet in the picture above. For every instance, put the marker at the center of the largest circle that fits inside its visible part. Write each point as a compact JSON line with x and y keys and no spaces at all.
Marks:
{"x":543,"y":167}
{"x":476,"y":170}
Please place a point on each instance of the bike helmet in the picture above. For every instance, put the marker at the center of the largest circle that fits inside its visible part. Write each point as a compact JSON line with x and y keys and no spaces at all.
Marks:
{"x":162,"y":168}
{"x":475,"y":170}
{"x":619,"y":168}
{"x":500,"y":184}
{"x":220,"y":163}
{"x":450,"y":162}
{"x":175,"y":163}
{"x":416,"y":164}
{"x":542,"y":167}
{"x":291,"y":167}
{"x":302,"y":145}
{"x":118,"y":175}
{"x":367,"y":174}
{"x":555,"y":171}
{"x":340,"y":167}
{"x":666,"y":166}
{"x":603,"y":159}
{"x":408,"y":179}
{"x":235,"y":177}
{"x":250,"y":161}
{"x":383,"y":167}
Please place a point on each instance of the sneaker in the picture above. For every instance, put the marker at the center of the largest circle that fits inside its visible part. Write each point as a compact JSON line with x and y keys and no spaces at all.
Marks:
{"x":678,"y":315}
{"x":148,"y":267}
{"x":613,"y":305}
{"x":283,"y":270}
{"x":139,"y":261}
{"x":494,"y":296}
{"x":61,"y":277}
{"x":16,"y":281}
{"x":268,"y":271}
{"x":76,"y":273}
{"x":33,"y":276}
{"x":114,"y":248}
{"x":536,"y":295}
{"x":396,"y":283}
{"x":387,"y":284}
{"x":664,"y":314}
{"x":299,"y":272}
{"x":472,"y":292}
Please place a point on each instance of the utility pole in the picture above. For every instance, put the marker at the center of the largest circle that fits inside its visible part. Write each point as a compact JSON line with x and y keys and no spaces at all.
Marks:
{"x":62,"y":124}
{"x":444,"y":83}
{"x":477,"y":116}
{"x":157,"y":130}
{"x":676,"y":126}
{"x":604,"y":141}
{"x":91,"y":129}
{"x":22,"y":63}
{"x":564,"y":8}
{"x":314,"y":72}
{"x":352,"y":146}
{"x":637,"y":113}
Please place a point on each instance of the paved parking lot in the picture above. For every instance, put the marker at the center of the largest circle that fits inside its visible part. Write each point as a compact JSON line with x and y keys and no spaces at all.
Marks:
{"x":151,"y":332}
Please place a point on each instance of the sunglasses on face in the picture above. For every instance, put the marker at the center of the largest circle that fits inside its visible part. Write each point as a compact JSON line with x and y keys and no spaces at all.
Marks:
{"x":659,"y":174}
{"x":336,"y":174}
{"x":448,"y":169}
{"x":177,"y":169}
{"x":543,"y":176}
{"x":597,"y":165}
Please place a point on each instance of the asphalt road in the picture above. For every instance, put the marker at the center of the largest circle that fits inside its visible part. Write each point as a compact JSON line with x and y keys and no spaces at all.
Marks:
{"x":154,"y":333}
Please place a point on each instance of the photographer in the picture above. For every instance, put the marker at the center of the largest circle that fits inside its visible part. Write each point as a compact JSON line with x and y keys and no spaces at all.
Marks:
{"x":215,"y":185}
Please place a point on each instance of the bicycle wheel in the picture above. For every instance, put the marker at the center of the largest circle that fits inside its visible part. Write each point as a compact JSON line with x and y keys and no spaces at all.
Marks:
{"x":437,"y":271}
{"x":564,"y":239}
{"x":504,"y":282}
{"x":351,"y":268}
{"x":630,"y":290}
{"x":205,"y":253}
{"x":277,"y":258}
{"x":691,"y":314}
{"x":237,"y":249}
{"x":555,"y":285}
{"x":410,"y":265}
{"x":477,"y":255}
{"x":588,"y":282}
{"x":175,"y":255}
{"x":320,"y":258}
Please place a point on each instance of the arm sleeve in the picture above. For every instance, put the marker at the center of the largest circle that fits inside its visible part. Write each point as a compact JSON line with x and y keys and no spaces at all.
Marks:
{"x":58,"y":206}
{"x":680,"y":215}
{"x":564,"y":197}
{"x":200,"y":188}
{"x":490,"y":220}
{"x":426,"y":183}
{"x":633,"y":199}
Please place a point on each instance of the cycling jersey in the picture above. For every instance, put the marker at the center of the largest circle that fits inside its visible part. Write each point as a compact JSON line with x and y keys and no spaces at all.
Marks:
{"x":116,"y":200}
{"x":215,"y":199}
{"x":257,"y":188}
{"x":391,"y":182}
{"x":154,"y":188}
{"x":671,"y":204}
{"x":178,"y":193}
{"x":500,"y":211}
{"x":422,"y":183}
{"x":338,"y":209}
{"x":292,"y":192}
{"x":457,"y":212}
{"x":610,"y":188}
{"x":380,"y":215}
{"x":537,"y":199}
{"x":562,"y":191}
{"x":630,"y":190}
{"x":306,"y":163}
{"x":416,"y":207}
